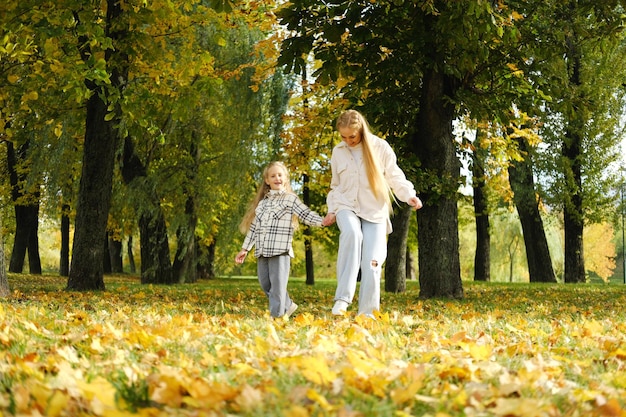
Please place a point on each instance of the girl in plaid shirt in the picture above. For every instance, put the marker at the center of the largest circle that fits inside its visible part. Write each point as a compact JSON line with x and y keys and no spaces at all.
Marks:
{"x":269,"y":225}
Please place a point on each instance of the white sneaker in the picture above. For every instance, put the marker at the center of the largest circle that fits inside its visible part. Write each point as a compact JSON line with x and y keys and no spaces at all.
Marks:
{"x":291,"y":309}
{"x":340,"y":307}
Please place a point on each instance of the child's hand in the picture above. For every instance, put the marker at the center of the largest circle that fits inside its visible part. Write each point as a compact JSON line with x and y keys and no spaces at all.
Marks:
{"x":241,"y":256}
{"x":329,"y":219}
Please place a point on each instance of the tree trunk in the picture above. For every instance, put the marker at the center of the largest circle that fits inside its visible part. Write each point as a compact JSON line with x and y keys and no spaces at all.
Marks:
{"x":101,"y":141}
{"x":184,"y":266}
{"x":106,"y":258}
{"x":86,"y":271}
{"x":26,"y":239}
{"x":156,"y":267}
{"x":482,"y":262}
{"x":572,"y":151}
{"x":64,"y":261}
{"x":308,"y":247}
{"x":115,"y":254}
{"x":395,"y":267}
{"x":206,"y":260}
{"x":5,"y":291}
{"x":410,"y":265}
{"x":131,"y":257}
{"x":438,"y":239}
{"x":523,"y":185}
{"x":185,"y":262}
{"x":26,"y":208}
{"x":34,"y":261}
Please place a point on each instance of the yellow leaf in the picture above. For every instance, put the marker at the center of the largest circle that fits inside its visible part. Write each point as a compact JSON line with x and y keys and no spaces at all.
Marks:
{"x":30,"y":96}
{"x":319,"y":399}
{"x":315,"y":369}
{"x":58,"y":130}
{"x":455,"y":372}
{"x":592,"y":328}
{"x":411,"y":382}
{"x":57,"y":403}
{"x":249,"y":398}
{"x":516,"y":16}
{"x":100,"y":392}
{"x":619,"y":353}
{"x":40,"y":394}
{"x":165,"y":388}
{"x":512,"y":407}
{"x":296,"y":411}
{"x":479,"y":352}
{"x":611,"y":408}
{"x":13,"y":78}
{"x":363,"y":364}
{"x":244,"y":369}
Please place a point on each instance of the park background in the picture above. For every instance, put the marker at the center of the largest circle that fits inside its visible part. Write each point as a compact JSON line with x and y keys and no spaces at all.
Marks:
{"x":152,"y":120}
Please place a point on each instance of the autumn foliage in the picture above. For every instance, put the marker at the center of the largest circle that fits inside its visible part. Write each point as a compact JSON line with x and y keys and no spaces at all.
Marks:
{"x":211,"y":349}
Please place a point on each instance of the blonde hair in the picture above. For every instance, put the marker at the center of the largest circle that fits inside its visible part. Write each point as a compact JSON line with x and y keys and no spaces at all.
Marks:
{"x":262,"y":191}
{"x":354,"y":120}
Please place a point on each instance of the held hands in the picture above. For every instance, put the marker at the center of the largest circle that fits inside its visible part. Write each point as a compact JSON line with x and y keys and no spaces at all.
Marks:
{"x":414,"y":202}
{"x":329,"y":219}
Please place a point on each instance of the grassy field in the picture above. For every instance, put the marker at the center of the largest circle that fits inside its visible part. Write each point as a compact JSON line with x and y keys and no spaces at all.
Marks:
{"x":211,"y":349}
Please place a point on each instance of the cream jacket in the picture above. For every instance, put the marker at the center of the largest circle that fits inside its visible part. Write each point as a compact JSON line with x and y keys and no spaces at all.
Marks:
{"x":350,"y":189}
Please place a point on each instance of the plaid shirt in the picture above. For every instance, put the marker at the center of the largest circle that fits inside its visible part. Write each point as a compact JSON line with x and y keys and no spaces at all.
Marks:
{"x":271,"y":231}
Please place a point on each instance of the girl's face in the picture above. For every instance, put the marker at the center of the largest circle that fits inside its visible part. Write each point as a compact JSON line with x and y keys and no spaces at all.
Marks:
{"x":351,"y":136}
{"x":276,"y":178}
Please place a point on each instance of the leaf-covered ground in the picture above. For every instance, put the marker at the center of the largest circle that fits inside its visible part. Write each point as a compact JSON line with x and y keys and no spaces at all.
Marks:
{"x":211,"y":349}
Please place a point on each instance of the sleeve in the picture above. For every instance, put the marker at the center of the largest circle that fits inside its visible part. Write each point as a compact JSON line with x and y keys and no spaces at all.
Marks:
{"x":331,"y":198}
{"x":248,"y":242}
{"x":395,"y":177}
{"x":305,"y":214}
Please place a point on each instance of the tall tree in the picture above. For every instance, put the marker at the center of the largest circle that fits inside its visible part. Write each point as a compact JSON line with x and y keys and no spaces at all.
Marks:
{"x":482,"y":258}
{"x":101,"y":141}
{"x":577,"y":54}
{"x":26,"y":205}
{"x":156,"y":267}
{"x":4,"y":282}
{"x":438,"y":255}
{"x":526,"y":200}
{"x":185,"y":261}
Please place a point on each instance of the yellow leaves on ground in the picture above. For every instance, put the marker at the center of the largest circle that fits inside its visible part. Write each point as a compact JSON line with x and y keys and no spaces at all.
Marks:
{"x":186,"y":351}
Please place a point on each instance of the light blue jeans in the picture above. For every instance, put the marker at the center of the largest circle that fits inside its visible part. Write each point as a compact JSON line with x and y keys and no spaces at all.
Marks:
{"x":362,"y":246}
{"x":273,"y":273}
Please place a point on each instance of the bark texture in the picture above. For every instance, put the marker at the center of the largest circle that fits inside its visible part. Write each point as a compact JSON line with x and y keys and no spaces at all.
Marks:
{"x":522,"y":183}
{"x":482,"y":257}
{"x":396,"y":265}
{"x":573,"y":155}
{"x":438,"y":240}
{"x":26,"y":207}
{"x":156,"y":267}
{"x":101,"y":142}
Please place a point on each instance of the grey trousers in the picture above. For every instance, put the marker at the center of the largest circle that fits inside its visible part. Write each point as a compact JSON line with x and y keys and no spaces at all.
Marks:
{"x":273,"y":276}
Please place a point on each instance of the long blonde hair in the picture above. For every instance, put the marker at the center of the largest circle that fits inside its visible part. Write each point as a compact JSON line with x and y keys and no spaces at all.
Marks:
{"x":354,"y":120}
{"x":262,"y":191}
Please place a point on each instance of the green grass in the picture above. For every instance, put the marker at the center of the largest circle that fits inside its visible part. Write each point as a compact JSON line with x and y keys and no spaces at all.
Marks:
{"x":211,"y":349}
